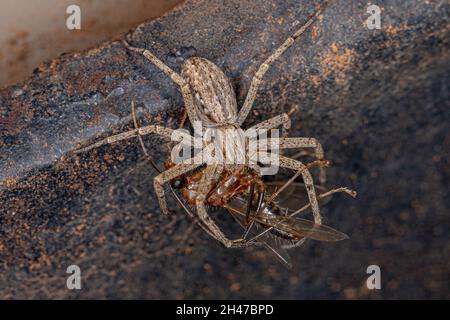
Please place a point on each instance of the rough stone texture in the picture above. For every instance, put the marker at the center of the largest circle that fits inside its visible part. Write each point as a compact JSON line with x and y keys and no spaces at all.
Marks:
{"x":376,"y":99}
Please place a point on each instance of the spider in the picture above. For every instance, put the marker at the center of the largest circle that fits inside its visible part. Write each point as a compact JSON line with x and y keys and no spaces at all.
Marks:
{"x":210,"y":99}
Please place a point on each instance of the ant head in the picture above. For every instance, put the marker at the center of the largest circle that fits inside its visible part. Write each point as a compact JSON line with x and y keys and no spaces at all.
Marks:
{"x":177,"y":183}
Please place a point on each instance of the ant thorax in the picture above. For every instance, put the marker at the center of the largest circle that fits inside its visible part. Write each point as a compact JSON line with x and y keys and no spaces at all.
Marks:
{"x":232,"y":183}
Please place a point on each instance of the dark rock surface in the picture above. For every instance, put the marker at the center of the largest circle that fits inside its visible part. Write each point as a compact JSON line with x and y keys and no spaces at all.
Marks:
{"x":376,"y":99}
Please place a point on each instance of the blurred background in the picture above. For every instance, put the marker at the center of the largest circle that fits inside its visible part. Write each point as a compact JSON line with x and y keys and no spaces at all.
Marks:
{"x":35,"y":31}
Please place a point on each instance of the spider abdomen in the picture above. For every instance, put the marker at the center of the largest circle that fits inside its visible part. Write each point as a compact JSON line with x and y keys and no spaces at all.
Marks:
{"x":214,"y":97}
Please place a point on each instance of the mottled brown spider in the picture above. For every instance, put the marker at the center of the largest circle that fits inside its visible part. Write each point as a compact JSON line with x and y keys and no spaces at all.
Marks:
{"x":210,"y":99}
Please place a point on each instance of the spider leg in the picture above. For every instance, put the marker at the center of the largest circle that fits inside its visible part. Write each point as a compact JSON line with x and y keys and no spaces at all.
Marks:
{"x":177,"y":170}
{"x":272,"y":123}
{"x":208,"y":175}
{"x":153,"y":164}
{"x":289,"y":143}
{"x":178,"y":79}
{"x":321,"y":196}
{"x":257,"y":78}
{"x":177,"y":197}
{"x":162,"y":131}
{"x":296,"y":165}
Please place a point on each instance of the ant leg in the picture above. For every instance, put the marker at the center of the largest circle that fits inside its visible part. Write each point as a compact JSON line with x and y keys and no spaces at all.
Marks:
{"x":348,"y":191}
{"x":258,"y":208}
{"x":257,"y":78}
{"x":295,"y":244}
{"x":351,"y":193}
{"x":183,"y":119}
{"x":144,"y":149}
